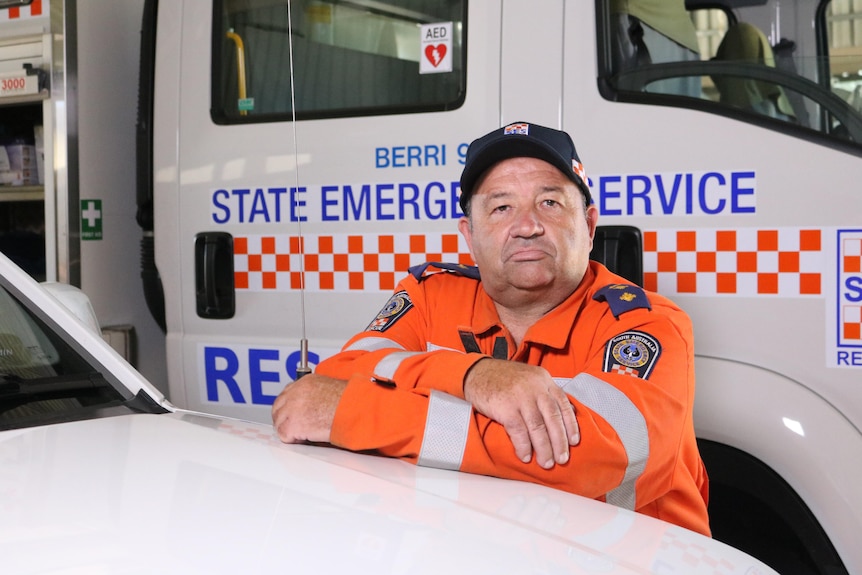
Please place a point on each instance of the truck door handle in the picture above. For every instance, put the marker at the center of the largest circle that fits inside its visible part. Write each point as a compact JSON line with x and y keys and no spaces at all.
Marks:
{"x":215,"y":293}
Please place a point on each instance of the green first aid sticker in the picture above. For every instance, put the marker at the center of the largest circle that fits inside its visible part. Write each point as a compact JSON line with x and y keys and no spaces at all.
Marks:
{"x":91,"y":219}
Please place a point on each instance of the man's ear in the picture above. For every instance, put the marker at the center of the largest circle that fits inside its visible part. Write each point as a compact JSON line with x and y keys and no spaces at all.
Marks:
{"x":592,"y":221}
{"x":466,"y":230}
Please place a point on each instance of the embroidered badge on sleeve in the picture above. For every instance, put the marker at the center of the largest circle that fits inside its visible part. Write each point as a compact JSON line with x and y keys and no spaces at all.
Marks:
{"x":396,"y":307}
{"x":632,"y":353}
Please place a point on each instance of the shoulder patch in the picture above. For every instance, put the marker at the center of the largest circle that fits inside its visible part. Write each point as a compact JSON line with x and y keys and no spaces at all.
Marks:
{"x":633,"y":353}
{"x":422,"y":271}
{"x":396,"y":307}
{"x":622,"y":298}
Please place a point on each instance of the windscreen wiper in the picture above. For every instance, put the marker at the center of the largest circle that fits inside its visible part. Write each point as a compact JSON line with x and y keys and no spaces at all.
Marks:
{"x":15,"y":386}
{"x":68,"y":397}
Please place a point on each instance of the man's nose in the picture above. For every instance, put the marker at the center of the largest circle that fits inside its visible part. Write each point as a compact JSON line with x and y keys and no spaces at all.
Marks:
{"x":527,"y":224}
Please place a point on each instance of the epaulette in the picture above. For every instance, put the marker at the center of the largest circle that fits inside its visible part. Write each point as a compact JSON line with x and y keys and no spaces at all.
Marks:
{"x":622,"y":298}
{"x":419,"y":272}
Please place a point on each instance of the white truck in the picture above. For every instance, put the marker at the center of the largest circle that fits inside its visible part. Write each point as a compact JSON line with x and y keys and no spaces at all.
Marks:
{"x":296,"y":157}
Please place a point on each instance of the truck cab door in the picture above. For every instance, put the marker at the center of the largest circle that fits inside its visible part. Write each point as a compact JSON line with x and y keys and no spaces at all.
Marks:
{"x":269,"y":230}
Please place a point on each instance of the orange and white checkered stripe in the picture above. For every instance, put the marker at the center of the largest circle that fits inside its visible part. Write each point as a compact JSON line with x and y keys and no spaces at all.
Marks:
{"x":35,"y":9}
{"x":851,"y":255}
{"x":851,"y":264}
{"x":681,"y":547}
{"x":339,"y":262}
{"x":249,"y":431}
{"x":851,"y":322}
{"x":784,"y":262}
{"x":787,"y":262}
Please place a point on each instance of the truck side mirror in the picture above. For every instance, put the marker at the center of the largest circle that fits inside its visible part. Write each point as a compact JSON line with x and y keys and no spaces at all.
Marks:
{"x":76,"y":301}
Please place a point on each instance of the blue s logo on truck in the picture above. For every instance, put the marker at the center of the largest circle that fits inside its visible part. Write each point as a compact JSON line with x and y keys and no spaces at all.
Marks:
{"x":848,"y":309}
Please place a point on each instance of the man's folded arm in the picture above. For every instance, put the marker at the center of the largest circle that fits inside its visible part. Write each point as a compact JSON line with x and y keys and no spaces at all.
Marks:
{"x":392,"y":360}
{"x":435,"y":429}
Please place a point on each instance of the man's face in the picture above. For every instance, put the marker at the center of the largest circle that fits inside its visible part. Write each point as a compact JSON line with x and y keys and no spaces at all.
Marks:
{"x":528,"y":232}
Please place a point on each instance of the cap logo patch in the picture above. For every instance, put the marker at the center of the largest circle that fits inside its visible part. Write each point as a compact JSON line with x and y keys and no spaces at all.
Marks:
{"x":578,"y":168}
{"x":396,"y":307}
{"x":632,"y":353}
{"x":521,"y":129}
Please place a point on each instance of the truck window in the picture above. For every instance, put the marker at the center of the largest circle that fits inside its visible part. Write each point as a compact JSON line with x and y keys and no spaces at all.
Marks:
{"x":844,"y":33}
{"x":349,"y":58}
{"x":759,"y":62}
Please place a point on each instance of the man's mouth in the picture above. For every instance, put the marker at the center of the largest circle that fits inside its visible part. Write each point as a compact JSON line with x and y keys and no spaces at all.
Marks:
{"x":527,"y":255}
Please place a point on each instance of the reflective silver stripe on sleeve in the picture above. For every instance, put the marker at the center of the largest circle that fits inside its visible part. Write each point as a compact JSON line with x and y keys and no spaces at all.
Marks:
{"x":446,"y":427}
{"x":372,"y":343}
{"x":434,"y":347}
{"x":386,"y":367}
{"x":626,"y":419}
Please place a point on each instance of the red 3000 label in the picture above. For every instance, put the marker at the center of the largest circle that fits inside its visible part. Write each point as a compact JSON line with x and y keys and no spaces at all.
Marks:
{"x":18,"y":85}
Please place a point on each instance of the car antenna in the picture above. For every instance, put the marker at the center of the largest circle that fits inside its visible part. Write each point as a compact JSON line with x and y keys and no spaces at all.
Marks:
{"x":302,"y":369}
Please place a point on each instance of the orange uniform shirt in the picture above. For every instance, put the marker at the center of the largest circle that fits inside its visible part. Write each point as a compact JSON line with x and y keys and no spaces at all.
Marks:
{"x":624,"y":357}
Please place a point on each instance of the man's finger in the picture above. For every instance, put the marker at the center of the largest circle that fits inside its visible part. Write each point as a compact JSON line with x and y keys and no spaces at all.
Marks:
{"x":570,"y":420}
{"x":279,"y":415}
{"x":520,"y":439}
{"x":541,"y":437}
{"x":555,"y":427}
{"x":280,"y":424}
{"x":567,"y":411}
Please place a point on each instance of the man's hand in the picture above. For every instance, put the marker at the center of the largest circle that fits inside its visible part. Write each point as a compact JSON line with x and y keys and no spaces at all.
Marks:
{"x":535,"y":412}
{"x":305,"y":409}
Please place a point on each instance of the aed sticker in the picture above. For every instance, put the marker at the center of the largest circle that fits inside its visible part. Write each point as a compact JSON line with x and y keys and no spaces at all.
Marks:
{"x":845,"y":307}
{"x":435,"y":45}
{"x":233,"y":374}
{"x":396,"y":307}
{"x":632,"y":353}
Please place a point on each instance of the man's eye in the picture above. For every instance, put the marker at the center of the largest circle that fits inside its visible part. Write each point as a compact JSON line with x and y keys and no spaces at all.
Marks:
{"x":551,"y":203}
{"x":500,"y":208}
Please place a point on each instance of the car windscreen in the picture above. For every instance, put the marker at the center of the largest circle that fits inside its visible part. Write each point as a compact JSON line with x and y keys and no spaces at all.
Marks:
{"x":45,"y":376}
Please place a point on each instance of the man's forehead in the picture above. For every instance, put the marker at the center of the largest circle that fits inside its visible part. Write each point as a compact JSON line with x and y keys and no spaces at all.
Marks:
{"x":509,"y":175}
{"x":523,"y":167}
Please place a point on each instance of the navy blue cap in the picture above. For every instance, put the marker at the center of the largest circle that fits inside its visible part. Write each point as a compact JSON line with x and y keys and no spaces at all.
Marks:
{"x":517,"y":140}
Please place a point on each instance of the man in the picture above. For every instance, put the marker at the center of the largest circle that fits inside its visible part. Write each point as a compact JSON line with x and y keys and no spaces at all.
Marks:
{"x":546,"y":368}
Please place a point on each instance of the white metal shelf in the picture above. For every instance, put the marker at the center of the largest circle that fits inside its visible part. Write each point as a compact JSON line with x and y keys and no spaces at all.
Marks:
{"x":21,"y":193}
{"x":24,"y":99}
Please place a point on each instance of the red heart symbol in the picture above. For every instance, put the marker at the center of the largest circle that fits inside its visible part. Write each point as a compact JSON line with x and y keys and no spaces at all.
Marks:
{"x":435,"y":54}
